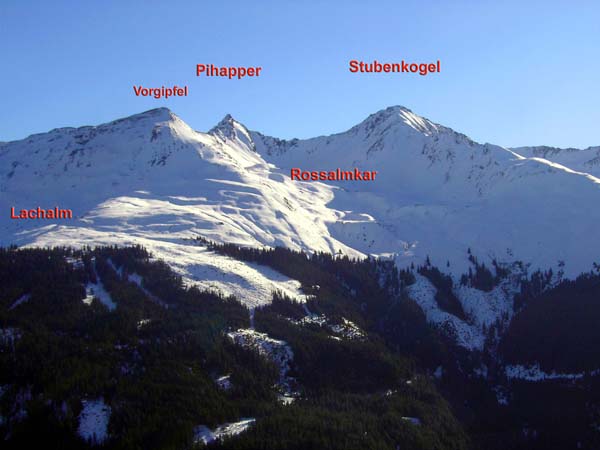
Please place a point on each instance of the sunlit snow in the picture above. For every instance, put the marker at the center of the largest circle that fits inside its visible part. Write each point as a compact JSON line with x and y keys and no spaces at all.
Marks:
{"x":205,"y":435}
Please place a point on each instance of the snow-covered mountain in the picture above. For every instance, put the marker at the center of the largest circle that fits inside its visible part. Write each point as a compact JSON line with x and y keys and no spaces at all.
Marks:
{"x":438,"y":193}
{"x":151,"y":179}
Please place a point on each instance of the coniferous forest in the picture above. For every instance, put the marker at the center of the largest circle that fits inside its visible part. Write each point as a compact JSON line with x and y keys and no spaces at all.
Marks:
{"x":363,"y":372}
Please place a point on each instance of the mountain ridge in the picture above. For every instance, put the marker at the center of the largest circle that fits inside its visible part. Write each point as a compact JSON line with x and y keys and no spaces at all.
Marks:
{"x":436,"y":192}
{"x":582,"y":160}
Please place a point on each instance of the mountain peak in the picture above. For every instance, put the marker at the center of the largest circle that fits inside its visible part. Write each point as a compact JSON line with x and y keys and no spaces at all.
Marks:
{"x":157,"y":115}
{"x":394,"y":115}
{"x":226,"y":122}
{"x":229,"y":129}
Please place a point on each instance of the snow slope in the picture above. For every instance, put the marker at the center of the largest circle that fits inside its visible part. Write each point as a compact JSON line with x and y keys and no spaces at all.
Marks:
{"x":466,"y":335}
{"x":582,"y":160}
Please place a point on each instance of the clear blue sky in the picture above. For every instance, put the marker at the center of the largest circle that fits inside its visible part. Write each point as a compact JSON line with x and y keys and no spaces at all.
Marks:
{"x":513,"y":72}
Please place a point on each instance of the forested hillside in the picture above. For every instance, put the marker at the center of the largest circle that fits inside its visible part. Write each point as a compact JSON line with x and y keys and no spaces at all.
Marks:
{"x":105,"y":347}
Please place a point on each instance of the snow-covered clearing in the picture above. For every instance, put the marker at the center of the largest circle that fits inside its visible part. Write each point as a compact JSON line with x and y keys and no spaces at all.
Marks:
{"x":346,"y":329}
{"x":489,"y":308}
{"x":204,"y":434}
{"x":412,"y":420}
{"x":466,"y":335}
{"x":535,"y":373}
{"x":96,"y":290}
{"x":93,"y":421}
{"x":277,"y":351}
{"x":224,"y":382}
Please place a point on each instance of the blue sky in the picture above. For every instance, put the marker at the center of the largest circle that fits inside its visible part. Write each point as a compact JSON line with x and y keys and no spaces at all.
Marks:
{"x":513,"y":73}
